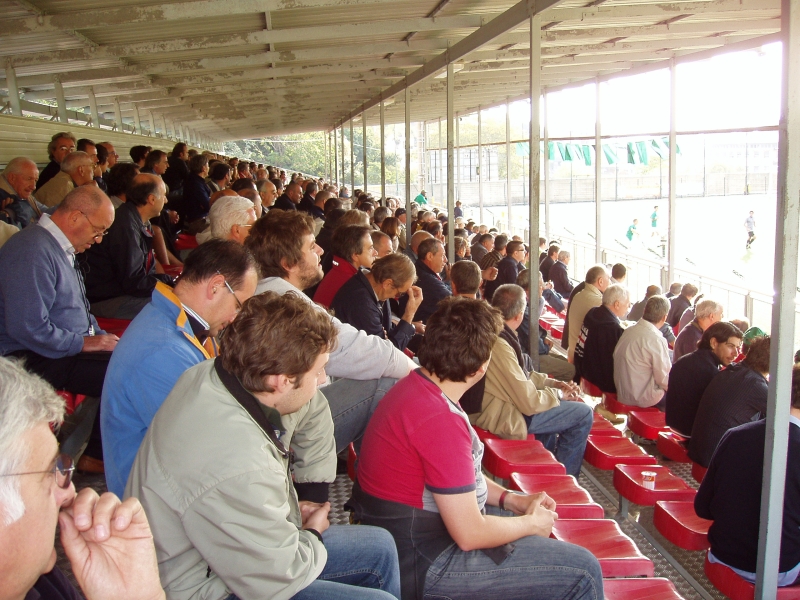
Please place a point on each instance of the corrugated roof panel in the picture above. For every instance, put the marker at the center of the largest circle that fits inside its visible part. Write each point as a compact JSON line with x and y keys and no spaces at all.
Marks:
{"x":37,"y":42}
{"x":344,"y":14}
{"x":12,"y":10}
{"x":167,"y":30}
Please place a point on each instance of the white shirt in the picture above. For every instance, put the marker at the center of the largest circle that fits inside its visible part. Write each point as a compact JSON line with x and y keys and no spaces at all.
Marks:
{"x":641,"y":365}
{"x":46,"y":222}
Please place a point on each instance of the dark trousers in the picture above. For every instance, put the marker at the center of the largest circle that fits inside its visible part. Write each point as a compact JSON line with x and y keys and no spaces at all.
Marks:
{"x":82,"y":373}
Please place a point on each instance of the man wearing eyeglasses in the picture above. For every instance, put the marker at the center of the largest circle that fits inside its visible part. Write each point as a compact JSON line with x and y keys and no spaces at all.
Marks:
{"x":61,"y":145}
{"x":108,"y":543}
{"x":77,"y":169}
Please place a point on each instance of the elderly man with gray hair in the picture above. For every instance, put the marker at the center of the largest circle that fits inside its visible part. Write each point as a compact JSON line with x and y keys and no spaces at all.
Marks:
{"x":706,"y":313}
{"x":77,"y":169}
{"x":641,"y":358}
{"x":231,"y":218}
{"x":108,"y":543}
{"x":17,"y":205}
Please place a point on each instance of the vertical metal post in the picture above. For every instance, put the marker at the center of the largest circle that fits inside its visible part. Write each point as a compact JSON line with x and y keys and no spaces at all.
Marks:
{"x":364,"y":144}
{"x":546,"y":172}
{"x":451,"y":191}
{"x":783,"y":310}
{"x":13,"y":90}
{"x":458,"y":160}
{"x":383,"y":151}
{"x":439,"y":165}
{"x":165,"y":133}
{"x":352,"y":161}
{"x":409,"y":220}
{"x":508,"y":162}
{"x":118,"y":115}
{"x":137,"y":122}
{"x":341,"y":129}
{"x":480,"y":170}
{"x":62,"y":101}
{"x":93,"y":109}
{"x":335,"y":158}
{"x":673,"y":172}
{"x":598,"y":180}
{"x":533,"y":181}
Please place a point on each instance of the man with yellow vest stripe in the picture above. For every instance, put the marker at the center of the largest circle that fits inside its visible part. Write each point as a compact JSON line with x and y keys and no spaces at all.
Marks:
{"x":175,"y":331}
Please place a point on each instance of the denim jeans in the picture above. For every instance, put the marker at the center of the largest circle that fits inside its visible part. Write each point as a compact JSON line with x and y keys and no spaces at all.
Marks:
{"x":352,"y":403}
{"x":563,"y":430}
{"x":362,"y":565}
{"x":538,"y":567}
{"x":553,"y":299}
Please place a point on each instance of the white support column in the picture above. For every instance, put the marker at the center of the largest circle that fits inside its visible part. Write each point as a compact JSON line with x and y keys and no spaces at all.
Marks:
{"x":335,"y":158}
{"x":151,"y":123}
{"x":408,"y":167}
{"x":164,"y":132}
{"x":598,"y":179}
{"x":480,"y":170}
{"x":364,"y":145}
{"x":118,"y":116}
{"x":673,"y":174}
{"x":451,"y":191}
{"x":352,"y":162}
{"x":13,"y":90}
{"x":93,"y":109}
{"x":137,"y":122}
{"x":508,"y":162}
{"x":783,"y":310}
{"x":341,"y":129}
{"x":458,"y":158}
{"x":383,"y":151}
{"x":533,"y":171}
{"x":62,"y":102}
{"x":546,"y":172}
{"x":439,"y":161}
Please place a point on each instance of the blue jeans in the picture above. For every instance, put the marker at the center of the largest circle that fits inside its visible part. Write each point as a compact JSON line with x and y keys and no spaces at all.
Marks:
{"x":538,"y":567}
{"x":553,"y":299}
{"x":352,"y":403}
{"x":563,"y":430}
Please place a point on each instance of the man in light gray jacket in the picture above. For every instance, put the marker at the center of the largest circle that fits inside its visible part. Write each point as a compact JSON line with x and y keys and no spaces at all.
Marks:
{"x":234,"y":471}
{"x":366,"y":365}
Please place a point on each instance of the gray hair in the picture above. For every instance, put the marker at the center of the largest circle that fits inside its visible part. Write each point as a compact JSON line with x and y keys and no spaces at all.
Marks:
{"x":25,"y":401}
{"x":563,"y":254}
{"x":73,"y":160}
{"x":227,"y":212}
{"x":706,"y":308}
{"x":615,"y":293}
{"x":15,"y":165}
{"x":656,"y":309}
{"x":510,"y":300}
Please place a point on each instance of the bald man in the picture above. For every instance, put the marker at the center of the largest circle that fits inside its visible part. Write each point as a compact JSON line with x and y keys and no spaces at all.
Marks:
{"x":17,"y":204}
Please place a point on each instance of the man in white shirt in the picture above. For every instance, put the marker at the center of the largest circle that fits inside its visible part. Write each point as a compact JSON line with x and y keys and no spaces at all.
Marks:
{"x":641,"y":359}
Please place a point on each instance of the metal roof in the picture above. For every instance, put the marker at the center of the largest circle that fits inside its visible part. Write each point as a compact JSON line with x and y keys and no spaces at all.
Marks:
{"x":233,"y":69}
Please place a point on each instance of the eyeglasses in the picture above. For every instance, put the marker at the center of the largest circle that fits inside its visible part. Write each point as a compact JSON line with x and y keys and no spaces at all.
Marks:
{"x":99,"y":232}
{"x":230,"y":289}
{"x":63,"y":470}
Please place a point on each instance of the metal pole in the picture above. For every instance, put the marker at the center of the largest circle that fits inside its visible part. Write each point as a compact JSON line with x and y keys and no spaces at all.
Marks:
{"x":508,"y":162}
{"x":93,"y":109}
{"x":480,"y":169}
{"x":364,"y":145}
{"x":546,"y":172}
{"x":439,"y":172}
{"x":783,"y":311}
{"x":352,"y":161}
{"x":673,"y":172}
{"x":458,"y":160}
{"x":534,"y":176}
{"x":341,"y":129}
{"x":383,"y":152}
{"x":13,"y":90}
{"x":335,"y":158}
{"x":62,"y":102}
{"x":409,"y":220}
{"x":598,"y":180}
{"x":137,"y":122}
{"x":451,"y":191}
{"x":118,"y":115}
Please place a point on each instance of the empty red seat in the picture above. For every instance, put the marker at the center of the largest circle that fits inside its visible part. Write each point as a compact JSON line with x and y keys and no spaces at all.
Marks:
{"x":616,"y":552}
{"x":646,"y":423}
{"x":698,"y":472}
{"x":611,"y":403}
{"x":650,"y":588}
{"x":629,"y":482}
{"x":185,"y":242}
{"x":737,"y":588}
{"x":572,"y":501}
{"x":603,"y":426}
{"x":485,"y":434}
{"x":557,"y":330}
{"x":678,"y":522}
{"x":590,"y":389}
{"x":673,"y":446}
{"x":504,"y":457}
{"x":115,"y":326}
{"x":604,"y":452}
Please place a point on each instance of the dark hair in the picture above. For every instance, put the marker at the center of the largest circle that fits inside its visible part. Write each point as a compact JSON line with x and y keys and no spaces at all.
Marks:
{"x":689,"y":290}
{"x":198,"y":163}
{"x":459,"y":338}
{"x":349,"y":240}
{"x":277,"y":183}
{"x":331,"y":204}
{"x":276,"y":335}
{"x":553,"y":249}
{"x":153,"y":158}
{"x":139,"y":190}
{"x":243,"y":183}
{"x":758,"y":356}
{"x":618,"y":270}
{"x":459,"y":243}
{"x":229,"y":259}
{"x":428,"y":246}
{"x":102,"y":154}
{"x":138,"y":153}
{"x":513,"y":246}
{"x":434,"y":227}
{"x":178,"y":149}
{"x":219,"y":171}
{"x":500,"y":242}
{"x":397,"y":267}
{"x":721,"y":331}
{"x":311,"y":187}
{"x":796,"y":386}
{"x":466,"y":276}
{"x":391,"y":226}
{"x":120,"y":177}
{"x":242,"y":167}
{"x":83,"y":143}
{"x":276,"y":240}
{"x":332,"y":217}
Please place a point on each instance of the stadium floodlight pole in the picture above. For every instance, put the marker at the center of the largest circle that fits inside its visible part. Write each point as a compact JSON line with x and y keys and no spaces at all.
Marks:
{"x":546,"y":146}
{"x":480,"y":168}
{"x":534,"y":176}
{"x":364,"y":144}
{"x":787,"y":243}
{"x":508,"y":161}
{"x":673,"y":174}
{"x":383,"y":151}
{"x":451,"y":191}
{"x":598,"y":177}
{"x":409,"y":220}
{"x":352,"y":162}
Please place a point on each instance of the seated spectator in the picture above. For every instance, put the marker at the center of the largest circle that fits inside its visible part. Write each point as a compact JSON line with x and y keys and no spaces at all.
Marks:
{"x":175,"y":331}
{"x":365,"y":365}
{"x":432,"y":261}
{"x":138,"y":155}
{"x":351,"y":249}
{"x":121,"y":273}
{"x":496,"y":255}
{"x":391,"y":226}
{"x":119,"y":179}
{"x":230,"y":218}
{"x":17,"y":205}
{"x":600,"y":332}
{"x":743,"y":323}
{"x":363,"y":301}
{"x":680,"y":303}
{"x":101,"y":167}
{"x":619,"y":273}
{"x":266,"y":189}
{"x":483,"y":244}
{"x":382,"y":244}
{"x":77,"y":169}
{"x":177,"y":172}
{"x":252,"y":427}
{"x":674,"y":290}
{"x":465,"y":279}
{"x":508,"y":268}
{"x":156,"y":163}
{"x":690,"y":376}
{"x":36,"y":493}
{"x":730,"y":495}
{"x":583,"y":299}
{"x":637,"y":310}
{"x":196,"y":195}
{"x":324,"y":237}
{"x":60,"y":146}
{"x":380,"y":215}
{"x":548,"y":261}
{"x":707,"y":313}
{"x":641,"y":359}
{"x":420,"y":477}
{"x":749,"y":335}
{"x":734,"y":397}
{"x":461,"y":248}
{"x":559,"y":275}
{"x":243,"y":171}
{"x":289,"y":199}
{"x":416,"y":240}
{"x":219,"y":177}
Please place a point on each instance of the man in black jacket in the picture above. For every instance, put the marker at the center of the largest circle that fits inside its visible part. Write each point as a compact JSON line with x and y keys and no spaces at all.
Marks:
{"x":121,"y":272}
{"x":548,"y":261}
{"x":601,"y":330}
{"x":177,"y":171}
{"x":432,"y":261}
{"x":290,"y":198}
{"x":196,"y":195}
{"x":559,"y":275}
{"x":680,"y":303}
{"x":507,"y":269}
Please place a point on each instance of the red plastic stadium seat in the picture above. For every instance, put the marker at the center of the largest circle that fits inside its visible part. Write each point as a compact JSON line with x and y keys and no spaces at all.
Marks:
{"x":628,"y":482}
{"x":351,"y":462}
{"x":698,"y":472}
{"x":605,"y":452}
{"x":547,"y":320}
{"x":602,"y":426}
{"x":572,"y":501}
{"x":173,"y":270}
{"x":650,"y":588}
{"x":590,"y":389}
{"x":485,"y":434}
{"x":72,"y":401}
{"x":736,"y":588}
{"x":673,"y":446}
{"x":504,"y":457}
{"x":618,"y":408}
{"x":616,"y":552}
{"x":678,"y":522}
{"x":647,"y":424}
{"x":115,"y":326}
{"x":557,"y":330}
{"x":185,"y":242}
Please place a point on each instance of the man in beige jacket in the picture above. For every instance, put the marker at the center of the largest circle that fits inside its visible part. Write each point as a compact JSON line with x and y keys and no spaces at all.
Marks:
{"x":597,"y":280}
{"x":77,"y":169}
